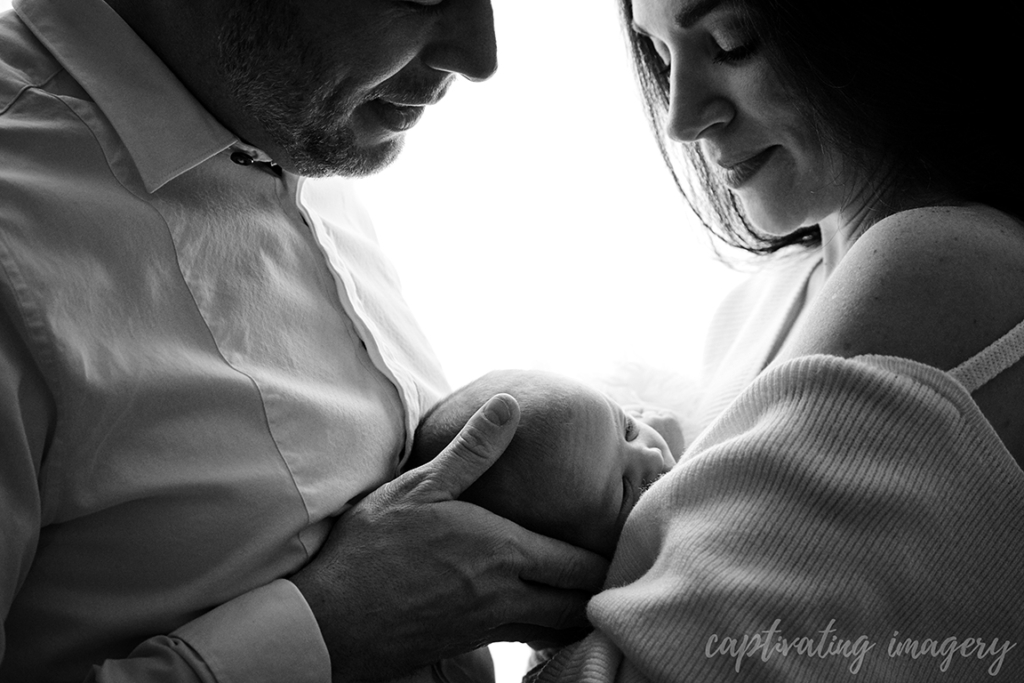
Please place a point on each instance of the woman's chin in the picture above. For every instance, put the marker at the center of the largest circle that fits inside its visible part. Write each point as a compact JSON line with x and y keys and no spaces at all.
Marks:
{"x":768,"y":222}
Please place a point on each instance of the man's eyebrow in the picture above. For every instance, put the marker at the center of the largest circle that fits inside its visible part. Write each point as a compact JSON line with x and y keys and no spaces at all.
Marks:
{"x":694,"y":12}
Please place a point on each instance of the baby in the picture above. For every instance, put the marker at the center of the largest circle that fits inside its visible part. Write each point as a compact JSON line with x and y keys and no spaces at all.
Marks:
{"x":574,"y":469}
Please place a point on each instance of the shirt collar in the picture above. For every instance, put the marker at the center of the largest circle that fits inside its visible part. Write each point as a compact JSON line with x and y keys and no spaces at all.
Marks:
{"x":164,"y":128}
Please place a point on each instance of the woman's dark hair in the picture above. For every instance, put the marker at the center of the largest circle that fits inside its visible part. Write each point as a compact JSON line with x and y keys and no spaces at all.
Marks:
{"x":929,"y":90}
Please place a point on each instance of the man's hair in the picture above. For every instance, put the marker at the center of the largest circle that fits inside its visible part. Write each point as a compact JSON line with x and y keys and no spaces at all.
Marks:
{"x":526,"y":484}
{"x":929,"y":92}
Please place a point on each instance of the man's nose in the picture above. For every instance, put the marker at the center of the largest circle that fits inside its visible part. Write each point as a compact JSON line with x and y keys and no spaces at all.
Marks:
{"x":465,"y":42}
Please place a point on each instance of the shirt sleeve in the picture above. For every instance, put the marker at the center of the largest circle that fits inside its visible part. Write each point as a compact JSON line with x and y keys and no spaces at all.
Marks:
{"x":268,"y":634}
{"x":26,"y":414}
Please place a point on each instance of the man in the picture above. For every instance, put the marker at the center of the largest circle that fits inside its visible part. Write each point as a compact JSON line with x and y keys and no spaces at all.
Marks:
{"x":206,"y":387}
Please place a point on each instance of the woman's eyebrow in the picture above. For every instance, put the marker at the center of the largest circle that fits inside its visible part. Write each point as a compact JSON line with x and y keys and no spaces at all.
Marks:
{"x":694,"y":12}
{"x":687,"y":16}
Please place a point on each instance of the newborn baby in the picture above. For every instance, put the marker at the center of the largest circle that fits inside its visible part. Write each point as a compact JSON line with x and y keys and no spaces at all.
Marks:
{"x":576,"y":466}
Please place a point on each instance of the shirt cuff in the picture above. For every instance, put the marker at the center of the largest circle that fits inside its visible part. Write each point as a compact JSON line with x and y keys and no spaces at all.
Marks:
{"x":266,"y":635}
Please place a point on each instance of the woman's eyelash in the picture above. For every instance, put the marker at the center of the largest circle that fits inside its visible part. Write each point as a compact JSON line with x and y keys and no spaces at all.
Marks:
{"x":737,"y":54}
{"x":733,"y":56}
{"x":424,"y":7}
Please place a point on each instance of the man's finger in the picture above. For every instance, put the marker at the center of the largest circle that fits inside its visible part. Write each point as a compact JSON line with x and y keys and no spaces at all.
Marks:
{"x":484,"y":438}
{"x":553,"y":563}
{"x":546,"y":608}
{"x":539,"y":635}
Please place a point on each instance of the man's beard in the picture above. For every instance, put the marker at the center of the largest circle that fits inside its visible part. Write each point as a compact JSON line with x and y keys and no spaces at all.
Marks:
{"x":284,"y":84}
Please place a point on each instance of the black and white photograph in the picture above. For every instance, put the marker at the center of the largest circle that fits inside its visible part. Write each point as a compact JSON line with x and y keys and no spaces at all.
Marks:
{"x":492,"y":341}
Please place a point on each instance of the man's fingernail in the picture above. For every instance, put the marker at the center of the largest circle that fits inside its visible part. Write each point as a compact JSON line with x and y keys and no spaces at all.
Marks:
{"x":498,"y":410}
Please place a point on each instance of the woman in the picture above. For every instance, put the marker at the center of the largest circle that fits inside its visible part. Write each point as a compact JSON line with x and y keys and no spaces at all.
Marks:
{"x":856,"y":505}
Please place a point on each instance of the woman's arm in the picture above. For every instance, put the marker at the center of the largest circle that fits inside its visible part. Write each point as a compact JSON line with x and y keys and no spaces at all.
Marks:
{"x":933,"y":285}
{"x":857,"y":499}
{"x":837,"y":509}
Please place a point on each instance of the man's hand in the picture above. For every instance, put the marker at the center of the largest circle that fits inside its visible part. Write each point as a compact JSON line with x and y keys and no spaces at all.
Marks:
{"x":410,"y":575}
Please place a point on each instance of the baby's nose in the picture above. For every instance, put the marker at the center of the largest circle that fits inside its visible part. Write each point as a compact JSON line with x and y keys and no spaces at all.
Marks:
{"x":661,"y":452}
{"x":651,"y":461}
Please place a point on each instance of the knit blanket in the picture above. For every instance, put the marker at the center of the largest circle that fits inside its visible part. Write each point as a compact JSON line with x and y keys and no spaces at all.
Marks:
{"x":842,"y":520}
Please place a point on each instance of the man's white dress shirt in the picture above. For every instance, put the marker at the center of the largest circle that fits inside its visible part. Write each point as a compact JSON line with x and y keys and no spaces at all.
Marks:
{"x":198,"y":371}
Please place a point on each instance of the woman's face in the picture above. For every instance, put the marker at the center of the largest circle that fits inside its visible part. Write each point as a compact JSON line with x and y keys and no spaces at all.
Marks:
{"x":756,"y":136}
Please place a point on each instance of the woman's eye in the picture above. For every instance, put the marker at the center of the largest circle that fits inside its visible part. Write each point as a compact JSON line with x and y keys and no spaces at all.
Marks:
{"x":736,"y":54}
{"x":632,"y":430}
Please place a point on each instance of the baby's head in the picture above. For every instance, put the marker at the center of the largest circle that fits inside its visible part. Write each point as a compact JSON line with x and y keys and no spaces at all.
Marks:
{"x":574,"y":469}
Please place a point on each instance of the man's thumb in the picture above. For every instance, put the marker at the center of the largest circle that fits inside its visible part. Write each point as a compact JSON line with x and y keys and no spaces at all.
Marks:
{"x":477,"y":446}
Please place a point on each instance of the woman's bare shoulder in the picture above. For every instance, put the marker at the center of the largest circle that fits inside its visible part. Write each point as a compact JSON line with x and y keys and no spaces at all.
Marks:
{"x":936,"y":285}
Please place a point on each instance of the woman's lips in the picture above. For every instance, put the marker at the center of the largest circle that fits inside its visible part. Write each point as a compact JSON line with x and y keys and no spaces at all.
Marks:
{"x":738,"y":174}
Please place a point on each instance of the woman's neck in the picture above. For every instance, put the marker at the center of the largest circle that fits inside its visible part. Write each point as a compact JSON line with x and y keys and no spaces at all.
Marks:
{"x":873,"y":203}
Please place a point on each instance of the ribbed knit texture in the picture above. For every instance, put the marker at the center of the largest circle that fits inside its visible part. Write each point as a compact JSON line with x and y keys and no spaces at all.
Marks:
{"x":867,"y":493}
{"x":907,"y":511}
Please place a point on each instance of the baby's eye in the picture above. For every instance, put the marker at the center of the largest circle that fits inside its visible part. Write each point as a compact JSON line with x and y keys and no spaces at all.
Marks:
{"x":632,"y":431}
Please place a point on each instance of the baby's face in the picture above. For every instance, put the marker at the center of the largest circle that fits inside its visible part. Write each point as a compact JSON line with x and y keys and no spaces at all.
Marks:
{"x":611,"y":459}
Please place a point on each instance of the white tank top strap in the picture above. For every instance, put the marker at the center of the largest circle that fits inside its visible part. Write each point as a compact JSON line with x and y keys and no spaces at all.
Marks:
{"x":976,"y":371}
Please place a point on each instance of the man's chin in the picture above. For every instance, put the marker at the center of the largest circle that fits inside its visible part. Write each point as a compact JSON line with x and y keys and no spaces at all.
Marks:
{"x":345,"y":159}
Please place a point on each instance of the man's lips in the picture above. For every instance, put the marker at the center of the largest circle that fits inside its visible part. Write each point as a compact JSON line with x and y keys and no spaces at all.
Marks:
{"x":414,"y":94}
{"x":411,"y":102}
{"x":394,"y":116}
{"x":401,"y":110}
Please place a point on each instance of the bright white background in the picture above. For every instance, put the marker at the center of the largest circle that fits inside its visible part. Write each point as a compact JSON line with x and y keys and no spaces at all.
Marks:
{"x":531,"y":217}
{"x":533,"y":223}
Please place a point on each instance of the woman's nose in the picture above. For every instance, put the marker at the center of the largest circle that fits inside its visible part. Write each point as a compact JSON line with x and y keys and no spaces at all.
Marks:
{"x":696,"y":105}
{"x":465,"y":42}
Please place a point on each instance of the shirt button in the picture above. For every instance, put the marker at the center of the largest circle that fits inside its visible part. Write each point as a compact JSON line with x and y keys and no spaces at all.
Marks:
{"x":241,"y":158}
